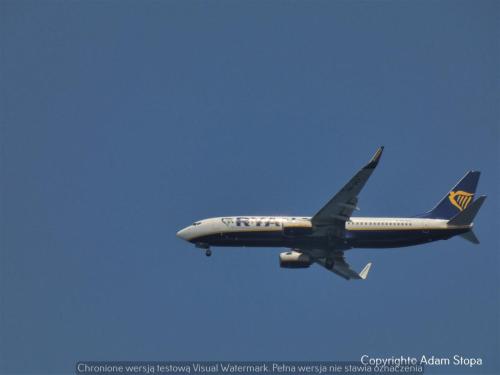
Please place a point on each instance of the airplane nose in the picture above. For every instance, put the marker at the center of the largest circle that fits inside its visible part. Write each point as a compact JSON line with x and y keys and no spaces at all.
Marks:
{"x":183,"y":234}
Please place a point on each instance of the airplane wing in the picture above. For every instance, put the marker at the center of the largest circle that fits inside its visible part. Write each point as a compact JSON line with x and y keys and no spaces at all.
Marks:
{"x":339,"y":209}
{"x":335,"y":262}
{"x":338,"y":265}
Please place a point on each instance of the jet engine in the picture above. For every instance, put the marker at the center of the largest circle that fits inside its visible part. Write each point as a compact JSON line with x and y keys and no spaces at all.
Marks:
{"x":294,"y":259}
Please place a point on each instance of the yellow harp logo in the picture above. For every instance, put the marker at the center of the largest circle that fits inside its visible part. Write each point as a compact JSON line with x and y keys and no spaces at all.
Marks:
{"x":460,"y":199}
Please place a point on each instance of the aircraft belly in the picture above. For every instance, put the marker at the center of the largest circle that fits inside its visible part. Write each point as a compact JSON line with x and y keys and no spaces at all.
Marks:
{"x":260,"y":239}
{"x":353,"y":239}
{"x":397,"y":238}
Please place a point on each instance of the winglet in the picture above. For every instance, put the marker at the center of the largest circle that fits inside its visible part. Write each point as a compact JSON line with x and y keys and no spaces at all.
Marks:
{"x":375,"y":159}
{"x":364,"y":273}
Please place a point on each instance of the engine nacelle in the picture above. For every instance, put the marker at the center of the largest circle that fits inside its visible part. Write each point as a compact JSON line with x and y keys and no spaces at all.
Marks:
{"x":294,"y":259}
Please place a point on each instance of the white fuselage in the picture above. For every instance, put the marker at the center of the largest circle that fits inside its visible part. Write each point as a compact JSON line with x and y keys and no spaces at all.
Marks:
{"x":223,"y":225}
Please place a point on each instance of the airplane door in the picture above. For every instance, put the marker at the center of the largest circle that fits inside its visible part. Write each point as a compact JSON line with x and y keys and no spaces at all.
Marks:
{"x":426,"y":228}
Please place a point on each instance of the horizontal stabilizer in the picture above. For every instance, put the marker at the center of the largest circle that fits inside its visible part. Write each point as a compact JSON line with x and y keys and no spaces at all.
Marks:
{"x":470,"y":236}
{"x":467,"y":216}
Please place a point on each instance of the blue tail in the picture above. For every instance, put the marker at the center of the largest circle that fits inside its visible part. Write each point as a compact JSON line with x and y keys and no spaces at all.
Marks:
{"x":457,"y":199}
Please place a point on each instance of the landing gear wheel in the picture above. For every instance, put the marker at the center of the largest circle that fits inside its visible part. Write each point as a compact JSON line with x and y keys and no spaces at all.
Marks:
{"x":208,"y":252}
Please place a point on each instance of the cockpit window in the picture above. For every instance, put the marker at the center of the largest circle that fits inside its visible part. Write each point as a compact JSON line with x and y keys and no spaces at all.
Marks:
{"x":197,"y":223}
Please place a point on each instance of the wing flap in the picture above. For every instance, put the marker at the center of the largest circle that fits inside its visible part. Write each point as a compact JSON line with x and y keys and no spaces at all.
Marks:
{"x":339,"y":266}
{"x":339,"y":209}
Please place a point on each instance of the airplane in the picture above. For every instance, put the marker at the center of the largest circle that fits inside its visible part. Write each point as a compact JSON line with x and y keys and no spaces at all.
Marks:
{"x":323,"y":238}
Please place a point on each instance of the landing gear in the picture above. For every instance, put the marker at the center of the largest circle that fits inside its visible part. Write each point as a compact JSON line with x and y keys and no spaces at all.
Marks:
{"x":329,"y":263}
{"x":204,"y":246}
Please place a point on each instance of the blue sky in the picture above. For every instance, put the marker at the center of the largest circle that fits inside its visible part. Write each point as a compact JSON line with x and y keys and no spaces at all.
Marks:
{"x":122,"y":122}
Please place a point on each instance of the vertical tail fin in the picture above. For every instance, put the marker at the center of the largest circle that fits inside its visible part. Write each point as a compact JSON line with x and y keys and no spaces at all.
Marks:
{"x":457,"y":198}
{"x":466,"y":216}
